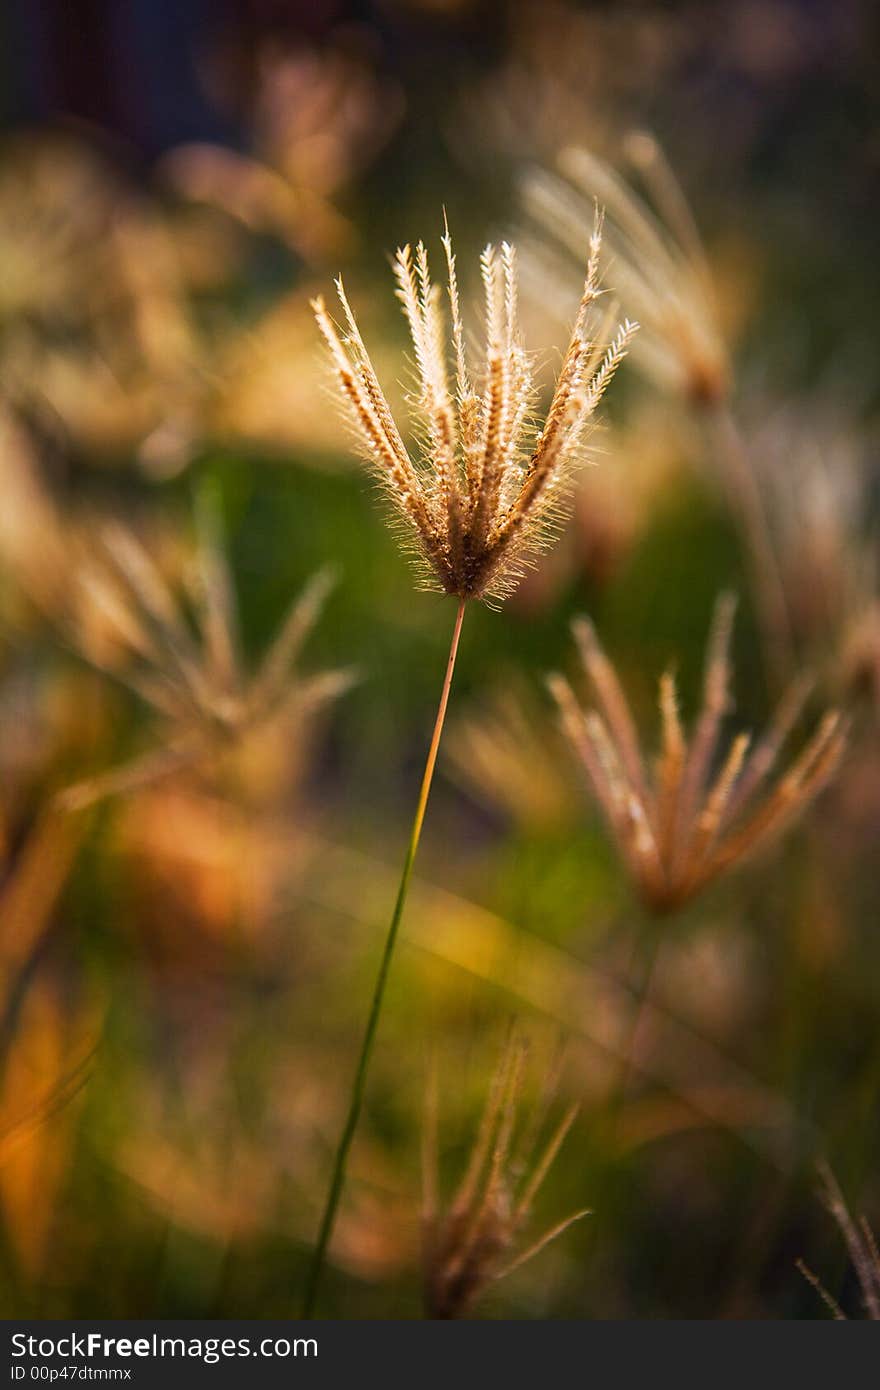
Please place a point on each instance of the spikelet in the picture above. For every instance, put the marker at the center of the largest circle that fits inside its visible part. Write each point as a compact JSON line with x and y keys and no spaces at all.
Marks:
{"x":472,"y":1244}
{"x":483,"y":495}
{"x":692,"y":817}
{"x":193,"y":680}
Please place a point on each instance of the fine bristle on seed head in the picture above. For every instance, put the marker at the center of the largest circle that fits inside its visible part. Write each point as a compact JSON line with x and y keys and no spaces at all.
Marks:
{"x":694,"y":815}
{"x":486,"y":491}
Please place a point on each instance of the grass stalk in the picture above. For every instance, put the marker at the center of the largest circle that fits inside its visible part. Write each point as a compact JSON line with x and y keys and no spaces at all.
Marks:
{"x":360,"y":1077}
{"x":747,"y":504}
{"x":647,"y":970}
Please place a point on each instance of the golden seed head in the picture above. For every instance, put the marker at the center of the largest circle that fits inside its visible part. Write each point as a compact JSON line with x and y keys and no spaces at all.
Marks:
{"x":482,"y":496}
{"x":693,"y":815}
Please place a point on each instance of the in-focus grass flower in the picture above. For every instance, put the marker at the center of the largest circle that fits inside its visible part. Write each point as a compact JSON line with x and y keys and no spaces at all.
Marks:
{"x":482,"y":494}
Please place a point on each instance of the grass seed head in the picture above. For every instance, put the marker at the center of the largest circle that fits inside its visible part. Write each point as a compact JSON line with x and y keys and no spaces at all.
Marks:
{"x":485,"y":490}
{"x":660,"y":266}
{"x":183,"y":659}
{"x":698,"y":810}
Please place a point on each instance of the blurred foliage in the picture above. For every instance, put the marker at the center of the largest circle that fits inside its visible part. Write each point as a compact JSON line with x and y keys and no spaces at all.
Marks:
{"x":185,"y":969}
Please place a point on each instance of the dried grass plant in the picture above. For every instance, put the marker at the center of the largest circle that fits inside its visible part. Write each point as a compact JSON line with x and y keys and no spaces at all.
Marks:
{"x":661,"y":267}
{"x":662,"y":270}
{"x":690,"y":817}
{"x":191,"y":677}
{"x":861,"y":1245}
{"x":473,"y":1243}
{"x":483,"y":492}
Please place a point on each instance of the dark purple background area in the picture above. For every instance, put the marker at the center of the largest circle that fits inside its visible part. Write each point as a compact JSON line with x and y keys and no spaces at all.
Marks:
{"x":132,"y":66}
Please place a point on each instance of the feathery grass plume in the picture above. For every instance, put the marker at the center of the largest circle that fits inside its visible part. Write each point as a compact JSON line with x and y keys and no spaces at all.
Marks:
{"x":483,"y":494}
{"x":660,"y":265}
{"x":861,"y":1245}
{"x":691,"y":817}
{"x":478,"y":500}
{"x":193,"y":679}
{"x":473,"y":1243}
{"x":662,"y":271}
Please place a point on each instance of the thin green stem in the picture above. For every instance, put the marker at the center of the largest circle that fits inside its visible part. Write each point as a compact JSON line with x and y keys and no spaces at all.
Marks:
{"x":360,"y":1078}
{"x":641,"y":994}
